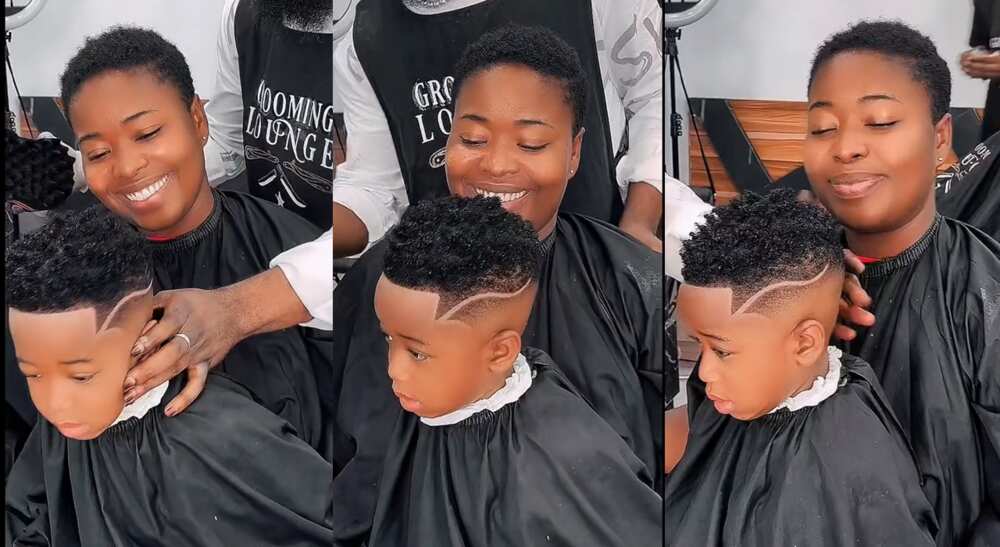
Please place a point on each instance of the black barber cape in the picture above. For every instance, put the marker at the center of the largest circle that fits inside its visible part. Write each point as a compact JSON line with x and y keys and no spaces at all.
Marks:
{"x":223,"y":472}
{"x":544,"y":470}
{"x":935,"y":348}
{"x":236,"y":242}
{"x":970,"y":190}
{"x":598,"y":314}
{"x":838,"y":474}
{"x":410,"y":59}
{"x":286,"y":76}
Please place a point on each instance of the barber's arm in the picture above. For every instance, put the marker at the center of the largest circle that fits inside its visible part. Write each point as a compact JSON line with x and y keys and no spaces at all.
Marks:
{"x":683,"y":211}
{"x":297,"y":290}
{"x":224,"y":150}
{"x":631,"y":35}
{"x":368,"y":190}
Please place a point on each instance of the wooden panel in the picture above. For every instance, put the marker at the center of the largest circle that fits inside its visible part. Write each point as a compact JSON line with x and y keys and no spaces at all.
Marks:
{"x":698,"y":176}
{"x":771,"y":116}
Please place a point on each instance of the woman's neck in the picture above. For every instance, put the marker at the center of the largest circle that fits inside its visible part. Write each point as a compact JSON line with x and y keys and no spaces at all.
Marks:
{"x":881,"y":245}
{"x":199,"y":212}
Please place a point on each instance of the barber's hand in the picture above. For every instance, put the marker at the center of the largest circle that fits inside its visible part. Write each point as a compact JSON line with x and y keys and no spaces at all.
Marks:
{"x":854,"y":301}
{"x":204,"y":318}
{"x":979,"y":64}
{"x":643,"y":234}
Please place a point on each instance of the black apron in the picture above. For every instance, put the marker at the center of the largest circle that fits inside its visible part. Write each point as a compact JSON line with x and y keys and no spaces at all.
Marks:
{"x":986,"y":34}
{"x":409,"y":60}
{"x":287,"y":83}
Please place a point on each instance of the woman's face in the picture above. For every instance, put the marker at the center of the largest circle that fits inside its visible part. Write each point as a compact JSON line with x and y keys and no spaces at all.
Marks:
{"x":76,"y":379}
{"x":871,"y":146}
{"x":513,"y":137}
{"x":142,"y":150}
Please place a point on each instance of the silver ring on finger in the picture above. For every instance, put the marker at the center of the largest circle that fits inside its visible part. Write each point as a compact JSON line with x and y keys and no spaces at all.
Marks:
{"x":185,"y":338}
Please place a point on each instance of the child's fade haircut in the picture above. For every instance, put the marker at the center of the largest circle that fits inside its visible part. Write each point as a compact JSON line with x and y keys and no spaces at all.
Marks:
{"x":759,"y":240}
{"x":459,"y":248}
{"x":897,"y":41}
{"x":127,"y":49}
{"x":537,"y":48}
{"x":79,"y":259}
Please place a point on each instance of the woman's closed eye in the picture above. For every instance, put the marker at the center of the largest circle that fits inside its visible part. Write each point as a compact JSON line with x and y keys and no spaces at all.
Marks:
{"x":472,"y":141}
{"x":149,"y":134}
{"x":534,"y":148}
{"x":883,"y":125}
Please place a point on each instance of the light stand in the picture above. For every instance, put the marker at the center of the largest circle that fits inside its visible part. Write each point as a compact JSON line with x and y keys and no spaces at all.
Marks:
{"x":672,"y":23}
{"x":676,"y":121}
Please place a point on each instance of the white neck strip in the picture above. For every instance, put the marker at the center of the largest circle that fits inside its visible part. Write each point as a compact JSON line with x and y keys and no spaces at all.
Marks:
{"x":141,"y":406}
{"x":421,"y":8}
{"x":823,"y":387}
{"x":516,"y":385}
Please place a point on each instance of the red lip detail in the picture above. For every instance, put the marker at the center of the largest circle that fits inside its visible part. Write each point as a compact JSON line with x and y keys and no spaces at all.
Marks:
{"x":855,"y":185}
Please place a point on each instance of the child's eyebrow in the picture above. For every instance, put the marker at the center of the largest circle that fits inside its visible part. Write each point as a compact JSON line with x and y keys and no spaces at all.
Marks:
{"x":76,"y":361}
{"x":412,"y":339}
{"x":713,"y":336}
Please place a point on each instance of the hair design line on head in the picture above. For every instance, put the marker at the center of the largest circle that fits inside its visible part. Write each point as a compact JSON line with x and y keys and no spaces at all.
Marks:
{"x":448,"y":314}
{"x":121,"y":304}
{"x":779,"y":285}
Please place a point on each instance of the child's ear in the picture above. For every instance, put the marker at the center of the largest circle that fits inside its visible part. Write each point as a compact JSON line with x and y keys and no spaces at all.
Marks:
{"x":503,"y":351}
{"x":810,"y":342}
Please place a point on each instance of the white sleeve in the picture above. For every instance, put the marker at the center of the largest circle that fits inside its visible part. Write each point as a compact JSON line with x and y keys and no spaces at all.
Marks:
{"x":224,"y":150}
{"x":369,"y":182}
{"x":309,"y":270}
{"x":632,"y":35}
{"x":683,"y":210}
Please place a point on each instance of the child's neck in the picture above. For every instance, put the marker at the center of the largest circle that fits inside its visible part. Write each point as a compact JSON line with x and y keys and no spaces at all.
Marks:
{"x":881,"y":245}
{"x":819,"y":368}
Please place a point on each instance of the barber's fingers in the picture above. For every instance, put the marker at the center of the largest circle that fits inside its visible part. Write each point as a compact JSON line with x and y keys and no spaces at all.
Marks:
{"x":845,"y":333}
{"x":853,"y":263}
{"x":169,"y":361}
{"x":857,"y":296}
{"x":197,"y":376}
{"x":164,"y":329}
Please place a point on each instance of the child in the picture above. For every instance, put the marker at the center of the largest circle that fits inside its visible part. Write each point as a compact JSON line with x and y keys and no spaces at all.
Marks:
{"x":130,"y":99}
{"x":520,"y":96}
{"x":795,"y":443}
{"x":95,"y":472}
{"x":496,"y":447}
{"x":878,"y":127}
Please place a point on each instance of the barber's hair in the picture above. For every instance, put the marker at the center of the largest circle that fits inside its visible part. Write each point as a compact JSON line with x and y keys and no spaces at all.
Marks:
{"x":761,"y":239}
{"x":79,"y":259}
{"x":537,"y":48}
{"x":127,"y":49}
{"x":462,"y":247}
{"x":899,"y":42}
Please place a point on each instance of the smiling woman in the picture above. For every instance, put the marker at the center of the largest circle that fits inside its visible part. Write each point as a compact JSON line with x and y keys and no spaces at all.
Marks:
{"x":141,"y":130}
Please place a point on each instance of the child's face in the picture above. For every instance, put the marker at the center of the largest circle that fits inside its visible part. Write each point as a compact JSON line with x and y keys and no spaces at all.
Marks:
{"x":513,"y":135}
{"x":748,"y":360}
{"x":437,"y":366}
{"x":871,"y":146}
{"x":142,"y":149}
{"x":75,"y":372}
